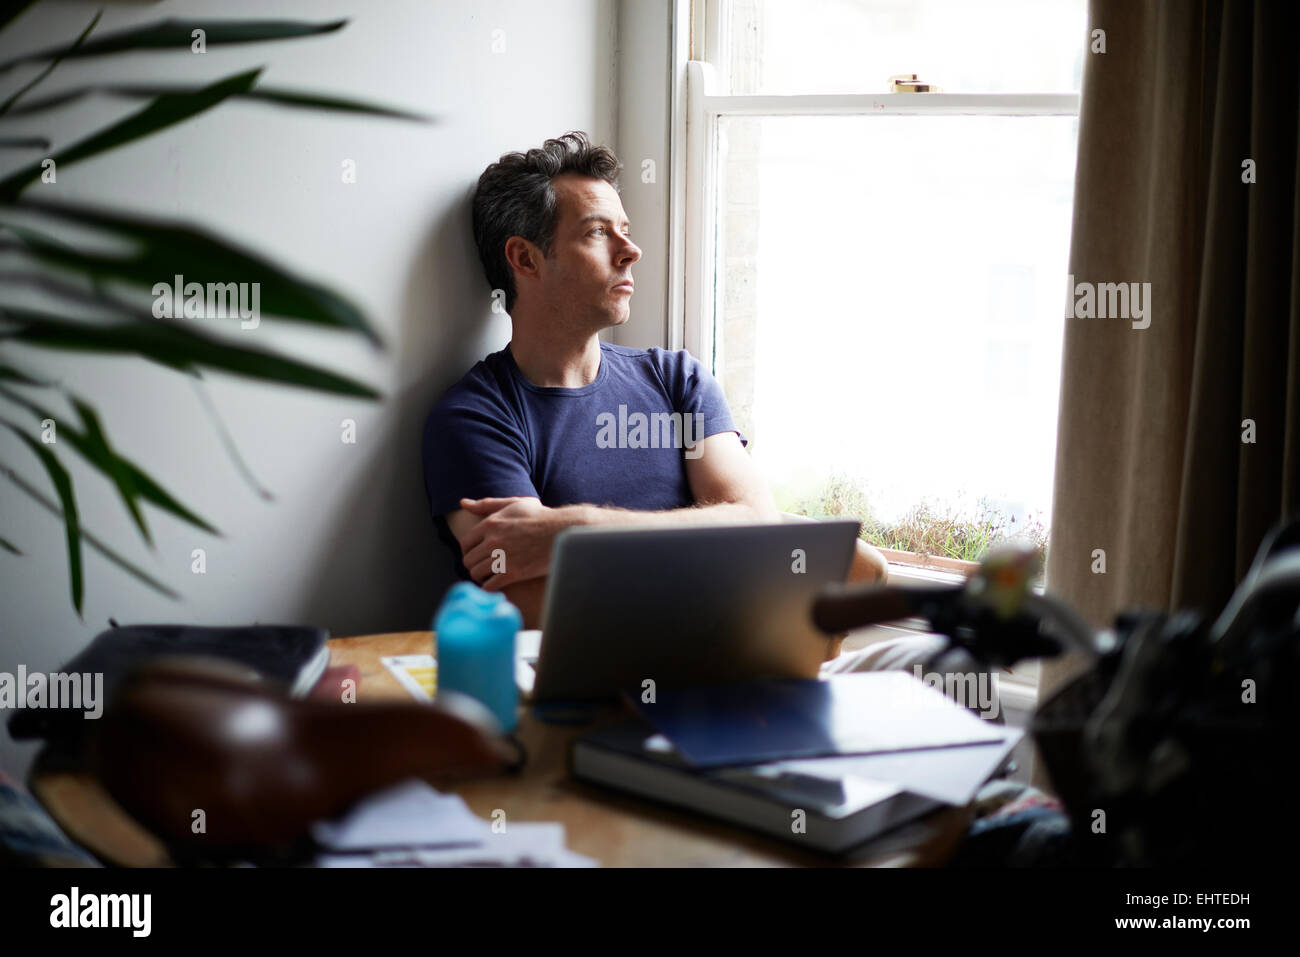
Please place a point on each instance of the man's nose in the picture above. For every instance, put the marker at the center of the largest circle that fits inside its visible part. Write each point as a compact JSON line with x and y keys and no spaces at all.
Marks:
{"x":629,"y":254}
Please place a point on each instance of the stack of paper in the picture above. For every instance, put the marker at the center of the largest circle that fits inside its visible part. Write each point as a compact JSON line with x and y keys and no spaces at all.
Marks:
{"x":412,"y":825}
{"x":858,"y":754}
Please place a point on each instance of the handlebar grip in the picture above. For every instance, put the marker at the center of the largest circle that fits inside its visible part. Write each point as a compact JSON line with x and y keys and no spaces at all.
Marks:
{"x":839,"y":608}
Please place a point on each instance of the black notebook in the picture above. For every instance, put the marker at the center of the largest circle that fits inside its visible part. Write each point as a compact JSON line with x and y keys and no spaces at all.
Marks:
{"x":293,"y":655}
{"x":830,"y":804}
{"x":628,"y":757}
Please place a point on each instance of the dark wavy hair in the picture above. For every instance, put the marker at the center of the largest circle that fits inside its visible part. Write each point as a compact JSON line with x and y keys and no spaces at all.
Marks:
{"x":514,"y":197}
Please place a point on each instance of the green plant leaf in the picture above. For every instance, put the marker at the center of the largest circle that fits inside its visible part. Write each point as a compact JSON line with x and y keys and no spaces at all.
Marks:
{"x":228,"y":441}
{"x":130,"y":479}
{"x":177,"y":346}
{"x":164,"y":111}
{"x":173,"y":34}
{"x":11,"y":374}
{"x":9,"y":14}
{"x":63,"y":485}
{"x":147,"y":487}
{"x":97,"y":449}
{"x":52,"y":101}
{"x":81,"y":39}
{"x":88,"y":538}
{"x":313,"y":101}
{"x":163,"y":250}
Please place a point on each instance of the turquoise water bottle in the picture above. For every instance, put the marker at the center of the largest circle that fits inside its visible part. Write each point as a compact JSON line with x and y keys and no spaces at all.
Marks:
{"x":476,"y":648}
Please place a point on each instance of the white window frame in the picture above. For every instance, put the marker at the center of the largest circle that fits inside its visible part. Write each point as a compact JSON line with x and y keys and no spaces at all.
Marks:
{"x":698,"y":104}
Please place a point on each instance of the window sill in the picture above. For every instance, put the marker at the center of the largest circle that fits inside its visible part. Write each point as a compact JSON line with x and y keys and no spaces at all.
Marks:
{"x":949,"y":570}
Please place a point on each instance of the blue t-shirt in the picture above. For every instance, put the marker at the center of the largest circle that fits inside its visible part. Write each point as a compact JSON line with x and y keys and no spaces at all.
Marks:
{"x":623,"y":440}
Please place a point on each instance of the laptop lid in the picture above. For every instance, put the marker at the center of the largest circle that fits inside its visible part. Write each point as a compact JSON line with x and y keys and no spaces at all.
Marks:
{"x":686,"y":605}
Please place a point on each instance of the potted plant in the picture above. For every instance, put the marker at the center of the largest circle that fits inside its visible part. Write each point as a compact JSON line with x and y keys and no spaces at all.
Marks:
{"x":60,"y":293}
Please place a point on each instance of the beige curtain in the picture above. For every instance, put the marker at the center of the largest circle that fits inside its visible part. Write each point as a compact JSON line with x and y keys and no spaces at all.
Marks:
{"x":1156,"y":474}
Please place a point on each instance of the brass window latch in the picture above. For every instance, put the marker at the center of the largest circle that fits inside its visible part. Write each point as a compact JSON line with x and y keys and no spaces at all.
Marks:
{"x":908,"y":83}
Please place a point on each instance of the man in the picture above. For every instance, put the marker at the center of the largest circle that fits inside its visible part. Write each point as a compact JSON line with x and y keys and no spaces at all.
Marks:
{"x":526,"y":444}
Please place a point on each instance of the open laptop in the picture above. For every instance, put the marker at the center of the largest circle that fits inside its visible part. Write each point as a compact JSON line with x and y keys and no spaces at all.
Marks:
{"x":685,"y":605}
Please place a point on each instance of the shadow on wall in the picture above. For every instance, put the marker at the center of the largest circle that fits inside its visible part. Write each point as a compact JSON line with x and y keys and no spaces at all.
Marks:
{"x":385,"y":569}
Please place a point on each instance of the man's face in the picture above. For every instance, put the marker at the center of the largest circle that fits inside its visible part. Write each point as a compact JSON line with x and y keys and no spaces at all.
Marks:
{"x":589,"y":269}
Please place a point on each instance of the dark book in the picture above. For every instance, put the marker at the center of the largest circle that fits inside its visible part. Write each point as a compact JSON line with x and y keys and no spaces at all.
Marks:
{"x":294,"y":656}
{"x":844,"y":801}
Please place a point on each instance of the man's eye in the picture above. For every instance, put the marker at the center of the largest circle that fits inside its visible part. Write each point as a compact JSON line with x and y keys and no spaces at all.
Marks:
{"x":598,"y":229}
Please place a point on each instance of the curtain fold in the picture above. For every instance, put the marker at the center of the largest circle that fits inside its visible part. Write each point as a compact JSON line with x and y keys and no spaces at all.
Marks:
{"x":1178,"y":444}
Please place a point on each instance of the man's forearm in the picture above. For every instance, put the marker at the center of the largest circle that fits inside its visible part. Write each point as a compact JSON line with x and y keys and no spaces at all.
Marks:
{"x":740,"y":513}
{"x":529,"y":595}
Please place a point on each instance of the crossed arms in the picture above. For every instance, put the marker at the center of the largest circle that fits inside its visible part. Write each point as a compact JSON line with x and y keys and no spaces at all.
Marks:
{"x":724,"y":482}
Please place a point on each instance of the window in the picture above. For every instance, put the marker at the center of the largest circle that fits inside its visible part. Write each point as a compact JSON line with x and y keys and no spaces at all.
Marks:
{"x":876,"y":278}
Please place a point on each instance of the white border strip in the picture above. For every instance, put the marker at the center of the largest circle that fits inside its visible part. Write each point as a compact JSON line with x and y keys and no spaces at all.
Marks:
{"x":896,"y":104}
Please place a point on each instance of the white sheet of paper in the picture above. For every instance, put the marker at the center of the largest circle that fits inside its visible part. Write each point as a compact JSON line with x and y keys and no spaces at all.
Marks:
{"x":521,"y":844}
{"x":528,"y":643}
{"x":411,"y":814}
{"x":951,"y":775}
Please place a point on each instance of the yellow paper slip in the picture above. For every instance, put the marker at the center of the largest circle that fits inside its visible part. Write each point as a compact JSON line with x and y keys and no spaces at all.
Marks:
{"x":418,"y":674}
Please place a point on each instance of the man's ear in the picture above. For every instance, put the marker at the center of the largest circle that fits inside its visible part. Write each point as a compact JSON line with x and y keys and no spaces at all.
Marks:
{"x":524,"y":257}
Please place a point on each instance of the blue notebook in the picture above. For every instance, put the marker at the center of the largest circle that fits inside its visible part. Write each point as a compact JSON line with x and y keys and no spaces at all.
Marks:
{"x":759,"y":721}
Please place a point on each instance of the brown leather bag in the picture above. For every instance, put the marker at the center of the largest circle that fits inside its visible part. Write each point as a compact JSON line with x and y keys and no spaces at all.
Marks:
{"x":184,"y":736}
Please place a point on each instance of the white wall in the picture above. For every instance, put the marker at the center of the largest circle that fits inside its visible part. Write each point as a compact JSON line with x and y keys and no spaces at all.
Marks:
{"x":347,"y":543}
{"x":644,"y":56}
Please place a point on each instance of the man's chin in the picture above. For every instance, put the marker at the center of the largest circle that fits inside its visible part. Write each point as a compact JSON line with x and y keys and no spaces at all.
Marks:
{"x":617,"y":317}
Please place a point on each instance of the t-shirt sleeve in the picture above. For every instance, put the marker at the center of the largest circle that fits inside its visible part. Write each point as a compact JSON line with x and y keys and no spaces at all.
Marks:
{"x":473,"y":452}
{"x":695,"y":390}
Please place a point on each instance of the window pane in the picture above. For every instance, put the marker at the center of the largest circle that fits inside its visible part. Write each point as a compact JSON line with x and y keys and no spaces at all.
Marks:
{"x":854,"y":46}
{"x":889,"y":308}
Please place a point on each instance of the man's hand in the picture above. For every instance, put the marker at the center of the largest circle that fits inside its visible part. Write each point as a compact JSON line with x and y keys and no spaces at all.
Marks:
{"x":511,"y":542}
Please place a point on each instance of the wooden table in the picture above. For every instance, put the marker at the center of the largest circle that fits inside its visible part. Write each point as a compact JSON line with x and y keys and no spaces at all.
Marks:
{"x":617,"y":830}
